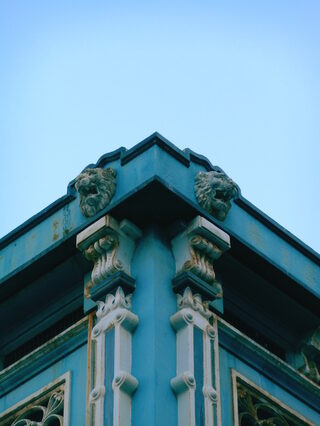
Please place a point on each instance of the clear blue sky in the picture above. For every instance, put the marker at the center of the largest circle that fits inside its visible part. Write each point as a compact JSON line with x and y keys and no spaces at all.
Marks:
{"x":237,"y":81}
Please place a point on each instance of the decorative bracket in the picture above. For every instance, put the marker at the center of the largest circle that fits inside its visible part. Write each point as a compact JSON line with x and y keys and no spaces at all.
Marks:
{"x":110,"y":246}
{"x":195,"y":250}
{"x":196,"y":384}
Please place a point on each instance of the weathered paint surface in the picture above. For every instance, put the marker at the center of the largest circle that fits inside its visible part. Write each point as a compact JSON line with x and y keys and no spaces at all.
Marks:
{"x":76,"y":362}
{"x":154,"y":342}
{"x":228,"y":362}
{"x":156,"y":161}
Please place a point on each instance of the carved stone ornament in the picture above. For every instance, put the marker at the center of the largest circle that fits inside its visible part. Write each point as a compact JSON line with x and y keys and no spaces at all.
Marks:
{"x":193,"y":301}
{"x":214,"y":190}
{"x":256,"y":409}
{"x":203,"y":253}
{"x":50,"y":413}
{"x":96,"y":187}
{"x":103,"y":254}
{"x":114,"y":302}
{"x":110,"y":246}
{"x":196,"y":249}
{"x":47,"y":406}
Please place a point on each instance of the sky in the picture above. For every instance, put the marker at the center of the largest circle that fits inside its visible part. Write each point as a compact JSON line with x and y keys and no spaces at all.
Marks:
{"x":236,"y":81}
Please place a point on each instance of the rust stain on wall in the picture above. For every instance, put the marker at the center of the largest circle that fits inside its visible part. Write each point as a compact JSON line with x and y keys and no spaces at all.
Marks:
{"x":55,"y":226}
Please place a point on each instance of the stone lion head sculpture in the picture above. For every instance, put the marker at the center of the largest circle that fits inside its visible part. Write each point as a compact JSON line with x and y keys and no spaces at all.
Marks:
{"x":214,"y":190}
{"x":96,"y":187}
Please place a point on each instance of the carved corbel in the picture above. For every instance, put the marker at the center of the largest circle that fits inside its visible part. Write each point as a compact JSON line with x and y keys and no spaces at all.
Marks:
{"x":195,"y":250}
{"x":110,"y":246}
{"x":307,"y":359}
{"x":196,"y":383}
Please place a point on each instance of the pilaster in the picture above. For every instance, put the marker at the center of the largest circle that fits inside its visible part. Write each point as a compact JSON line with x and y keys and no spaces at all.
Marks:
{"x":110,"y":246}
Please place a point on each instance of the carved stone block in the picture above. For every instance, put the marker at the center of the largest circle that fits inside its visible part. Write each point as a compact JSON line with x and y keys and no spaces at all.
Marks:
{"x":110,"y":246}
{"x":214,"y":190}
{"x":195,"y":250}
{"x":96,"y":187}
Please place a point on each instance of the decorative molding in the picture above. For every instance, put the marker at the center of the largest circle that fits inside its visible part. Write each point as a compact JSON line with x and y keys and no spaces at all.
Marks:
{"x":213,"y":191}
{"x":253,"y":405}
{"x":50,"y":405}
{"x":96,"y":187}
{"x":44,"y":356}
{"x":307,"y":360}
{"x":196,"y":383}
{"x":113,"y":384}
{"x":110,"y":246}
{"x":193,"y":301}
{"x":114,"y":302}
{"x":268,"y":364}
{"x":195,"y":249}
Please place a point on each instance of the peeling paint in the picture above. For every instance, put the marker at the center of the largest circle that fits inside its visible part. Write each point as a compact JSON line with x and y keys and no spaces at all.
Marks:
{"x":55,"y":230}
{"x":67,"y":225}
{"x":254,"y":232}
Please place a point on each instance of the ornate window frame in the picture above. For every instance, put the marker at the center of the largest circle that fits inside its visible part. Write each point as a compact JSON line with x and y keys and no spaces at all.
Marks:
{"x":237,"y":377}
{"x":11,"y":414}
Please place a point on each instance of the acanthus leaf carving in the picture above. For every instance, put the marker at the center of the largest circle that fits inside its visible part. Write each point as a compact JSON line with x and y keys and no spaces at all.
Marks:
{"x":112,"y":302}
{"x":103,"y":254}
{"x":193,"y":301}
{"x":203,"y":252}
{"x":195,"y":250}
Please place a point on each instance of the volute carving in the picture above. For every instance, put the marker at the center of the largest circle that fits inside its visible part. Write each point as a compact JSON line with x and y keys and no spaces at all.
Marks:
{"x":196,"y":249}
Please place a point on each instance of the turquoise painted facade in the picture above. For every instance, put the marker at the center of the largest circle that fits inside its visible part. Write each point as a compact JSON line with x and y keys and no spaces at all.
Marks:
{"x":150,"y":310}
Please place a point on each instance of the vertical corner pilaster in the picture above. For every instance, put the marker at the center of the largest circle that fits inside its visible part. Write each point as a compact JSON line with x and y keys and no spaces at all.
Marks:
{"x":110,"y":246}
{"x":195,"y":384}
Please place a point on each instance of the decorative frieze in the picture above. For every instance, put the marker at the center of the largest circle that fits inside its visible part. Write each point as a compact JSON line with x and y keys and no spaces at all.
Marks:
{"x":196,"y":382}
{"x":96,"y":187}
{"x":195,"y":250}
{"x":48,"y":406}
{"x":307,"y":359}
{"x":214,"y":190}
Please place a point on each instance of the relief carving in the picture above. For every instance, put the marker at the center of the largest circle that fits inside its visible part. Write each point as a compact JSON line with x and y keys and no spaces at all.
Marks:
{"x":195,"y":250}
{"x":195,"y":302}
{"x":214,"y":190}
{"x":103,"y":254}
{"x":96,"y":187}
{"x":50,"y":413}
{"x":256,"y":409}
{"x":203,"y":252}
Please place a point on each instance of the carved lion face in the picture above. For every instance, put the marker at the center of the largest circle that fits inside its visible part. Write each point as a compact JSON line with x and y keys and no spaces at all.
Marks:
{"x":214,"y":190}
{"x":96,"y":187}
